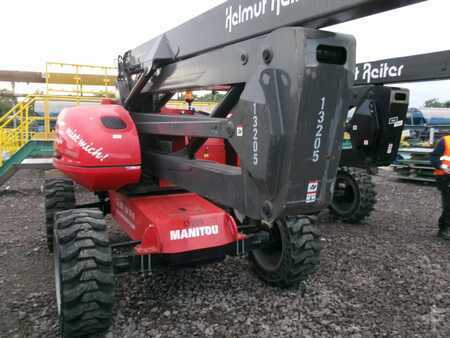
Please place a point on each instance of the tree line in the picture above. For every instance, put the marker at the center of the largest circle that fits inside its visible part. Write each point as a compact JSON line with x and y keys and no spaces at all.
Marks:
{"x":435,"y":103}
{"x":7,"y":101}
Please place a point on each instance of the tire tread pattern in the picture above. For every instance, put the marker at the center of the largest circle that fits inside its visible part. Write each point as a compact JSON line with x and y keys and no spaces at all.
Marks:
{"x":59,"y":196}
{"x":86,"y":272}
{"x":300,"y":253}
{"x":367,"y":196}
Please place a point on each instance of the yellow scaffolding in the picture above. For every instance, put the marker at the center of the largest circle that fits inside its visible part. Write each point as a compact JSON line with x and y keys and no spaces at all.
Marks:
{"x":79,"y":76}
{"x":18,"y":126}
{"x":203,"y":106}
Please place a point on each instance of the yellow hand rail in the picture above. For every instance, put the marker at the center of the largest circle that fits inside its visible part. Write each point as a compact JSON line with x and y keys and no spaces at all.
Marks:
{"x":16,"y":126}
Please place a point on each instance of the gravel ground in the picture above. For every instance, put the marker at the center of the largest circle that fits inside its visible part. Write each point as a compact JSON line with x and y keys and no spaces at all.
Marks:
{"x":387,"y":277}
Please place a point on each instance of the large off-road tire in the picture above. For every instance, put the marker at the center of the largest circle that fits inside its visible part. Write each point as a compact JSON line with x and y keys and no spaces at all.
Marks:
{"x":84,"y":277}
{"x":59,"y":196}
{"x":292,"y":255}
{"x":354,"y":195}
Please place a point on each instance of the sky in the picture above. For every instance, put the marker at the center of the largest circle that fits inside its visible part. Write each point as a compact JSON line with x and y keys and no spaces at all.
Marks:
{"x":97,"y":31}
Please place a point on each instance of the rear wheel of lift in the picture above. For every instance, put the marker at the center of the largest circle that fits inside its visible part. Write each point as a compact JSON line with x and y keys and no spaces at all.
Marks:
{"x":84,"y":278}
{"x":354,"y":195}
{"x":291,"y":255}
{"x":59,"y":196}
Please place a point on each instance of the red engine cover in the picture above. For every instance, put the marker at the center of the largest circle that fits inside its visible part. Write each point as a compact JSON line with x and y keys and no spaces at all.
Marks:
{"x":98,"y":147}
{"x":173,"y":223}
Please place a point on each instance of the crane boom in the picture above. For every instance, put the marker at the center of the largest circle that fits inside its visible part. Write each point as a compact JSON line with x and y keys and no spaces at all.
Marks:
{"x":237,"y":20}
{"x":414,"y":68}
{"x":233,"y":22}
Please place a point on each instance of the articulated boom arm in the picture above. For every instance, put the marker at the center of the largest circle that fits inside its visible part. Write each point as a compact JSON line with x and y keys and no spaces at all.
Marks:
{"x":377,"y":124}
{"x":284,"y":114}
{"x":414,"y":68}
{"x":374,"y":131}
{"x":284,"y":119}
{"x":238,"y":20}
{"x":231,"y":22}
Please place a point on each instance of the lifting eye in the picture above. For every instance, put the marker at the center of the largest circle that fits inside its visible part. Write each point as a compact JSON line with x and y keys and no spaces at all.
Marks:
{"x":331,"y":54}
{"x":112,"y":122}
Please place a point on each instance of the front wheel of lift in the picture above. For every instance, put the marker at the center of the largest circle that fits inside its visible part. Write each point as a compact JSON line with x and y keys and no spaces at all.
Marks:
{"x":291,"y":255}
{"x":354,"y":195}
{"x":84,"y":278}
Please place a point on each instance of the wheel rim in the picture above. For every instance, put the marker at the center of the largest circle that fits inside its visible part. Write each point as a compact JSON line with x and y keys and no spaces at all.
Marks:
{"x":57,"y":275}
{"x":346,"y":195}
{"x":270,"y":257}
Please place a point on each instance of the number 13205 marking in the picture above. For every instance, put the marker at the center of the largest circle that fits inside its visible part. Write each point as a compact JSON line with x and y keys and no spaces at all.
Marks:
{"x":319,"y":131}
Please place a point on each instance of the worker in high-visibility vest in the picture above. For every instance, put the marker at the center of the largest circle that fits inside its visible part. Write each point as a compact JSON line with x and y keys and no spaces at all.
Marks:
{"x":440,"y":159}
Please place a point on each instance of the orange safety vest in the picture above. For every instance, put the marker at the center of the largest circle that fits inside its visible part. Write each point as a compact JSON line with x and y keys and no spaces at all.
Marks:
{"x":445,"y":158}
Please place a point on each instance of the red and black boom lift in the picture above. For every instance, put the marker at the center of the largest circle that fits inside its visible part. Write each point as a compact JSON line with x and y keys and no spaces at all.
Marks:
{"x":281,"y":122}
